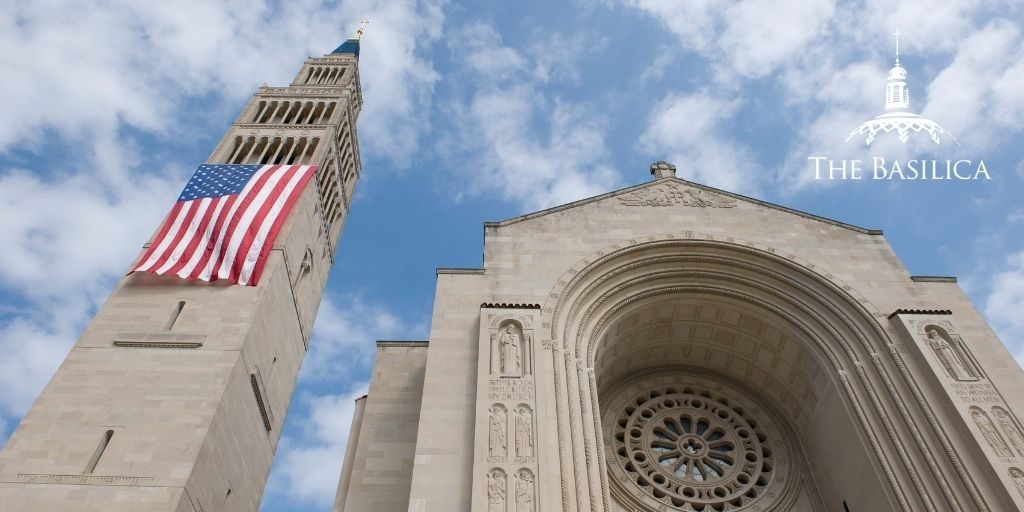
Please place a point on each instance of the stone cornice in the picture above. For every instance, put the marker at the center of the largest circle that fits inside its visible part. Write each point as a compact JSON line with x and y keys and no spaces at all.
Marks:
{"x":470,"y":271}
{"x":402,"y":343}
{"x":933,"y":279}
{"x":902,"y":311}
{"x":503,"y":305}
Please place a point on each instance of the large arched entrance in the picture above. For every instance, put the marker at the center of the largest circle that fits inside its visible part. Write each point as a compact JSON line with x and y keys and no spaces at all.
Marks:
{"x":706,"y":402}
{"x":713,"y":375}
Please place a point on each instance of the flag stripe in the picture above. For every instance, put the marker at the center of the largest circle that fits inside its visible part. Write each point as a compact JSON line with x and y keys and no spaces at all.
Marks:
{"x":185,"y":236}
{"x":164,"y":228}
{"x":175,"y":232}
{"x":240,"y":221}
{"x":197,"y":249}
{"x":224,"y":224}
{"x":202,"y":227}
{"x":211,"y":271}
{"x":209,"y":252}
{"x":271,"y":225}
{"x":258,"y":214}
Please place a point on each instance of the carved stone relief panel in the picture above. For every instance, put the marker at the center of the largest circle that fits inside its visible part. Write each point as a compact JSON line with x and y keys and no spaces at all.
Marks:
{"x":1010,"y":430}
{"x":1018,"y":479}
{"x":511,"y":349}
{"x":952,"y":354}
{"x":989,"y":432}
{"x":496,"y":487}
{"x":497,"y":433}
{"x":675,"y":194}
{"x":524,"y":433}
{"x":525,"y":491}
{"x":506,"y":457}
{"x":937,"y":346}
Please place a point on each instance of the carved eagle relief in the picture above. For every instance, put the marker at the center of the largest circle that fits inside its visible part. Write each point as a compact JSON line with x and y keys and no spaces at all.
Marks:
{"x":672,"y":195}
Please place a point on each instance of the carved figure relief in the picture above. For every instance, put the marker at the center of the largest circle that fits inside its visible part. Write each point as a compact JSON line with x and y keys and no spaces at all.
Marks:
{"x":497,"y":445}
{"x":989,"y":432}
{"x":524,"y":491}
{"x":671,"y":195}
{"x":496,"y":491}
{"x":524,"y":431}
{"x":510,"y":348}
{"x":1010,"y":430}
{"x":949,"y":356}
{"x":1018,"y":479}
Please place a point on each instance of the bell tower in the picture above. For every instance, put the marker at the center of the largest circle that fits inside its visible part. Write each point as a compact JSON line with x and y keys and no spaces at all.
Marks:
{"x":174,"y":397}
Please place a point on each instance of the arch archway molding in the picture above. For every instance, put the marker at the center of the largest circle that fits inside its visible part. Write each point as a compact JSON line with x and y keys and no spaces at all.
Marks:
{"x":866,"y":406}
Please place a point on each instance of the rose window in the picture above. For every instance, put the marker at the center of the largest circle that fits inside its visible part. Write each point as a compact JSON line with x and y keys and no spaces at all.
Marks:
{"x":693,"y":449}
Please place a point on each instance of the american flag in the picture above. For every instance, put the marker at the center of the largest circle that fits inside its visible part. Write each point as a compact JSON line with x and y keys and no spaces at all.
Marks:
{"x":225,"y":222}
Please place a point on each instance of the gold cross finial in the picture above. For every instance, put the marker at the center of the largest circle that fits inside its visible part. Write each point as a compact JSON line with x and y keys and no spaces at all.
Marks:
{"x":359,"y":31}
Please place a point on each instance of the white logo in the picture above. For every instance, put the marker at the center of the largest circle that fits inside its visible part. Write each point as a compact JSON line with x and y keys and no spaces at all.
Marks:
{"x":897,"y":116}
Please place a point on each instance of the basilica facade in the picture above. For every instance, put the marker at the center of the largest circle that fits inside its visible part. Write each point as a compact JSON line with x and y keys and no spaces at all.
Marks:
{"x":670,"y":346}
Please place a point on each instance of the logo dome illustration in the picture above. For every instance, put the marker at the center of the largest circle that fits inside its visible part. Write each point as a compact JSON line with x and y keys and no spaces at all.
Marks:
{"x":897,"y":116}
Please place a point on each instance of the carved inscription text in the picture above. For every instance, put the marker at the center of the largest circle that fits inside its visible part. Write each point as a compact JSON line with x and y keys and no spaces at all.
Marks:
{"x":976,"y":392}
{"x":510,"y":389}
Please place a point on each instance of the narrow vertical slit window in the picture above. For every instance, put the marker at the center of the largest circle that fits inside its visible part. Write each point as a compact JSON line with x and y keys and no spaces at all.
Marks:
{"x":174,"y":315}
{"x":104,"y":441}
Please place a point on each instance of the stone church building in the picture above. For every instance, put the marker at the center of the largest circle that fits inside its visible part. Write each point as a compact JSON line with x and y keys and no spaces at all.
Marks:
{"x":670,"y":346}
{"x":665,"y":347}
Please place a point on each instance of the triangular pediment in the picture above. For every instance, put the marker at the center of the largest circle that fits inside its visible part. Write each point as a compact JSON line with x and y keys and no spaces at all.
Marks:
{"x":678,"y":193}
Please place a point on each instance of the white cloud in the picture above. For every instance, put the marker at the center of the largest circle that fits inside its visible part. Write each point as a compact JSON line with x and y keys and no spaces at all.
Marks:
{"x":342,"y":348}
{"x":345,"y":334}
{"x":978,"y":95}
{"x":78,"y":68}
{"x":689,"y":130}
{"x":1006,"y":301}
{"x":749,"y":37}
{"x":306,"y":469}
{"x":513,"y":139}
{"x":926,"y":26}
{"x":398,"y":81}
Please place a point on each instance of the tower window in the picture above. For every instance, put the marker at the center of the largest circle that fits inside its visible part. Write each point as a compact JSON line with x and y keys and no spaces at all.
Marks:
{"x":174,"y":315}
{"x":102,"y":447}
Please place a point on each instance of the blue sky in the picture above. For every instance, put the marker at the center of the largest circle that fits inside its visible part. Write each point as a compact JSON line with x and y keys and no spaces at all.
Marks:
{"x":482,"y":111}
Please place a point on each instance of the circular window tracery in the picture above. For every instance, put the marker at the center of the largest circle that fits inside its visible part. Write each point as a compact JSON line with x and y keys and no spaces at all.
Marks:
{"x":688,"y":445}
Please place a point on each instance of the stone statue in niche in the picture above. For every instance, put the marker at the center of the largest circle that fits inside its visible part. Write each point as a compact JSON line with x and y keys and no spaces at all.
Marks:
{"x":510,"y":348}
{"x":524,"y":491}
{"x":1018,"y":479}
{"x":949,"y":356}
{"x":524,"y":432}
{"x":496,"y":491}
{"x":496,"y":437}
{"x":1009,"y":429}
{"x":988,"y":430}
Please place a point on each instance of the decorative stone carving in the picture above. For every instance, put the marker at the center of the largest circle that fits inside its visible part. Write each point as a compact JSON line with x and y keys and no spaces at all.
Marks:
{"x":672,"y":195}
{"x":510,"y":348}
{"x":688,"y":446}
{"x":949,"y":356}
{"x":1010,"y":430}
{"x":1018,"y":479}
{"x":989,"y":432}
{"x":497,"y":445}
{"x":525,"y":491}
{"x":524,"y":431}
{"x":496,"y":490}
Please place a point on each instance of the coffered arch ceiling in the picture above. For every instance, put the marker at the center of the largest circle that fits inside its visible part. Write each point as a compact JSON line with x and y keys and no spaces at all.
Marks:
{"x":718,"y":335}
